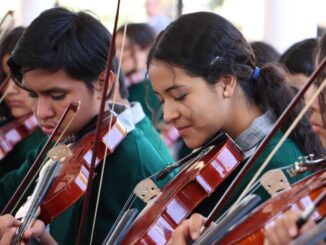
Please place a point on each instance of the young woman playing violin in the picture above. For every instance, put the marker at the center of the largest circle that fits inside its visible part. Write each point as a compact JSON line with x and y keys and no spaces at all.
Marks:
{"x":139,"y":38}
{"x":20,"y":133}
{"x":60,"y":59}
{"x":204,"y":73}
{"x":285,"y":229}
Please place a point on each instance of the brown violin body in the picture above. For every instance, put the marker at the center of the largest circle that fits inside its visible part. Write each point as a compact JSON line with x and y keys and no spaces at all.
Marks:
{"x":197,"y":181}
{"x":71,"y":182}
{"x":301,"y":196}
{"x":14,"y":132}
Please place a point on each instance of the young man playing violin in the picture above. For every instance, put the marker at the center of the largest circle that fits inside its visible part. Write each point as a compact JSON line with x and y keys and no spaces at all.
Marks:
{"x":20,"y":131}
{"x":61,"y":59}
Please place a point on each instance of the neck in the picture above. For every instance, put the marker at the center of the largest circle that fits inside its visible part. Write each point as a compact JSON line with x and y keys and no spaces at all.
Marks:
{"x":241,"y":120}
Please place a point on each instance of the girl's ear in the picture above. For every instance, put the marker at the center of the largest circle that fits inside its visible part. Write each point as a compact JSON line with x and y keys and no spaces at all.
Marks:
{"x":229,"y":84}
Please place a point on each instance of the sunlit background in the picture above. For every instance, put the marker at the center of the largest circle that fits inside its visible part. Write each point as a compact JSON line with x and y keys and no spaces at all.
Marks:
{"x":277,"y":22}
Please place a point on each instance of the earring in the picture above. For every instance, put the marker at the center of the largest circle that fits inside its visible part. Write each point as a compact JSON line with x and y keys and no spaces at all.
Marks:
{"x":226,"y":94}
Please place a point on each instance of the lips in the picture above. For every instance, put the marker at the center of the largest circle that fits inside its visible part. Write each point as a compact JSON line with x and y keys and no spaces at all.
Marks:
{"x":15,"y":103}
{"x":183,"y":130}
{"x":317,"y":128}
{"x":47,"y":128}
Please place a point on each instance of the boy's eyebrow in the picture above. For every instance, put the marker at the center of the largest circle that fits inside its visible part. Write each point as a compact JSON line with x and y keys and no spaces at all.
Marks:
{"x":45,"y":91}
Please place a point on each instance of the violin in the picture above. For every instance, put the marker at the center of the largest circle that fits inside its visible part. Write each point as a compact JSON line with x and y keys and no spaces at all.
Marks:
{"x":250,"y":230}
{"x":14,"y":132}
{"x":195,"y":182}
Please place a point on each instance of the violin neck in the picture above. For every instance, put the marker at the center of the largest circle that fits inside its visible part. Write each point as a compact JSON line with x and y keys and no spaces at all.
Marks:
{"x":47,"y":175}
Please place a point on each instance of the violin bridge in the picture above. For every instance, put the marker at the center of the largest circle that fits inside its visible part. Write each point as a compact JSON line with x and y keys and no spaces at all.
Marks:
{"x":59,"y":153}
{"x":274,"y":181}
{"x":146,"y":190}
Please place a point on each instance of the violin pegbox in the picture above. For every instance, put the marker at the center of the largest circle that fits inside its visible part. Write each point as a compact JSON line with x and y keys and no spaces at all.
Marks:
{"x":274,"y":181}
{"x":59,"y":153}
{"x":300,"y":165}
{"x":146,"y":190}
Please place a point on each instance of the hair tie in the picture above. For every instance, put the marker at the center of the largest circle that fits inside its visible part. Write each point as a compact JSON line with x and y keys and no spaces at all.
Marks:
{"x":255,"y":74}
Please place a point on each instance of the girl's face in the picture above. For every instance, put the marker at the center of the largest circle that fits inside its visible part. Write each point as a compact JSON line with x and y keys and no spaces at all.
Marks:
{"x":133,"y":56}
{"x":16,"y":98}
{"x":198,"y":110}
{"x":17,"y":101}
{"x":317,"y":122}
{"x":129,"y":55}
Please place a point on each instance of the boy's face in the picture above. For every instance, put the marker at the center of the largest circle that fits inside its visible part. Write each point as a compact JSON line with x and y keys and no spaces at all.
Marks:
{"x":51,"y":92}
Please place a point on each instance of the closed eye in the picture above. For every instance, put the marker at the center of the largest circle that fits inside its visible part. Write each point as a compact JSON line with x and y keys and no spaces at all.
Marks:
{"x":58,"y":96}
{"x":181,"y":98}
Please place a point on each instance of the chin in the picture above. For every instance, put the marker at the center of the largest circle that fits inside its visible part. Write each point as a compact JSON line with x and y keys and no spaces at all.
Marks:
{"x":192,"y":144}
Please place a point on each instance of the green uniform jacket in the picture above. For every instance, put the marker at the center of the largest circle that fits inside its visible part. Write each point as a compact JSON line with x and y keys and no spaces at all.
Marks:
{"x":286,"y":155}
{"x":133,"y":160}
{"x":146,"y":126}
{"x":143,"y":93}
{"x":18,"y":154}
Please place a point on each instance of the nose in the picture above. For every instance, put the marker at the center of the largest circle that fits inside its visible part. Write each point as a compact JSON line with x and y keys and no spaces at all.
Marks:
{"x":12,"y":88}
{"x":315,"y":105}
{"x":170,"y":112}
{"x":43,"y":109}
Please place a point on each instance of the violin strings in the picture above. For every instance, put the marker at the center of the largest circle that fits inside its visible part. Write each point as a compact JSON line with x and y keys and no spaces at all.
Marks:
{"x":116,"y":87}
{"x":286,"y":134}
{"x":30,"y":215}
{"x":127,"y":206}
{"x":29,"y":185}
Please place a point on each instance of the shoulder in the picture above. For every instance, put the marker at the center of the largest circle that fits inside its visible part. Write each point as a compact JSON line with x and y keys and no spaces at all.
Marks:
{"x":137,"y":148}
{"x":286,"y":154}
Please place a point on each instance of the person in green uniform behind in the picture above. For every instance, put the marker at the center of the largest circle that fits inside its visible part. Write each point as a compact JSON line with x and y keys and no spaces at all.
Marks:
{"x":60,"y":59}
{"x":132,"y":113}
{"x":19,"y":112}
{"x":139,"y":38}
{"x":205,"y":75}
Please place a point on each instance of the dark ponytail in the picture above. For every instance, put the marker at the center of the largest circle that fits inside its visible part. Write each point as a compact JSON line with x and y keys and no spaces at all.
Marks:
{"x":272,"y":91}
{"x":207,"y":45}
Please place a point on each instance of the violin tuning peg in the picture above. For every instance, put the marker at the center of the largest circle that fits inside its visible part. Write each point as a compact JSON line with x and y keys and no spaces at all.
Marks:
{"x":300,"y":159}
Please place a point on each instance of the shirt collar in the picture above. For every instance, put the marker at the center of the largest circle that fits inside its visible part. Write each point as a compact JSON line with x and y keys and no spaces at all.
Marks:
{"x":137,"y":112}
{"x":259,"y":128}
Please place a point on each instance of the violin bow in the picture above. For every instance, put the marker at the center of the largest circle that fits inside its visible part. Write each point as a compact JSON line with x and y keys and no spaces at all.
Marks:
{"x":32,"y":171}
{"x":98,"y":130}
{"x":9,"y":13}
{"x":217,"y":209}
{"x":3,"y":31}
{"x":284,"y":137}
{"x":116,"y":87}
